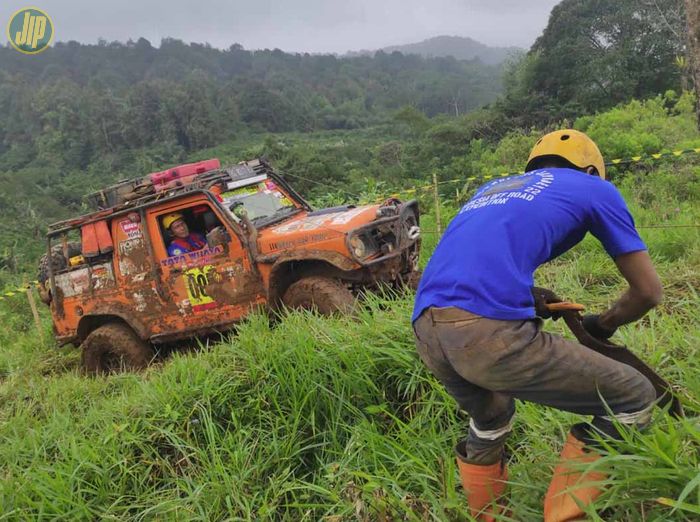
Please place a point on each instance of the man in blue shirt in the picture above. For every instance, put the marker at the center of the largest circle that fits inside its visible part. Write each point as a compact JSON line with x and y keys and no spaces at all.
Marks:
{"x":477,"y":330}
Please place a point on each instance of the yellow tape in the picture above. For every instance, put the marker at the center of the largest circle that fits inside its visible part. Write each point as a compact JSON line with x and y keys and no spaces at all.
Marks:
{"x":19,"y":290}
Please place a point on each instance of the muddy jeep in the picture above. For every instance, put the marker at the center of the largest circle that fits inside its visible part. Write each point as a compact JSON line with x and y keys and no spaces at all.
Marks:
{"x":120,"y":279}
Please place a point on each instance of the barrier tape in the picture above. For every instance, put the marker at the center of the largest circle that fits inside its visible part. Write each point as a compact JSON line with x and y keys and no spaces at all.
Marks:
{"x":612,"y":163}
{"x":658,"y":155}
{"x":16,"y":291}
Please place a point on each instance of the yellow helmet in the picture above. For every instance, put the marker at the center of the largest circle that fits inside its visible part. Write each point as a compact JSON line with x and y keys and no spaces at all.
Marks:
{"x":571,"y":145}
{"x":169,"y":219}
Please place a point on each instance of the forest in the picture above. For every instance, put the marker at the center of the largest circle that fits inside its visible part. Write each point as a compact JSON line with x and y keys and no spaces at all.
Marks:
{"x":81,"y":116}
{"x":309,"y":418}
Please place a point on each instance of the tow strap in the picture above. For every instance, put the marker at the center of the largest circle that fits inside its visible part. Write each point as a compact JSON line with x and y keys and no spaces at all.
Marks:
{"x":571,"y":313}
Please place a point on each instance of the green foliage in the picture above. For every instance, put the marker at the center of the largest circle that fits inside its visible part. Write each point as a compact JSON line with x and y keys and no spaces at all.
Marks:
{"x":337,"y":419}
{"x":414,"y":119}
{"x":75,"y":103}
{"x":643,"y":127}
{"x":595,"y":54}
{"x":335,"y":167}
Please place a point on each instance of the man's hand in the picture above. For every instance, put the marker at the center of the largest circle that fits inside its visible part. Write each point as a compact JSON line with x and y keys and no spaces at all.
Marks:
{"x":644,"y":293}
{"x":543,"y":297}
{"x":593,"y":327}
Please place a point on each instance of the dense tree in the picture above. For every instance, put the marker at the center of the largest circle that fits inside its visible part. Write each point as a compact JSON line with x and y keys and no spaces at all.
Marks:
{"x":594,"y":54}
{"x":74,"y":103}
{"x":81,"y":116}
{"x":693,"y":19}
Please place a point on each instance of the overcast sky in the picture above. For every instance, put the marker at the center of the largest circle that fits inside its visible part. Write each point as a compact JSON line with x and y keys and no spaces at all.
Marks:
{"x":294,"y":25}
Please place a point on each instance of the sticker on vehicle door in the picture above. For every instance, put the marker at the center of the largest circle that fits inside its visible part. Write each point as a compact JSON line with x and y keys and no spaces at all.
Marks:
{"x":196,"y":281}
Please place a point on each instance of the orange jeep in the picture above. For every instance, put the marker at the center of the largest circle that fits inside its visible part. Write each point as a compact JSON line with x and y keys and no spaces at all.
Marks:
{"x":192,"y":250}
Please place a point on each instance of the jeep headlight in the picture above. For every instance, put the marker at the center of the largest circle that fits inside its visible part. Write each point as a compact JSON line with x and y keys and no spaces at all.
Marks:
{"x":361,"y":246}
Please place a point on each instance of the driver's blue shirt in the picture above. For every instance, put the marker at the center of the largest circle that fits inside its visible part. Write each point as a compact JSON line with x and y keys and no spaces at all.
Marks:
{"x":193,"y":242}
{"x":485,"y":261}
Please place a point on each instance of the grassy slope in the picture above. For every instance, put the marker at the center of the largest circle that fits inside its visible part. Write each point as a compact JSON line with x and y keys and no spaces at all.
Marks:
{"x":336,"y":418}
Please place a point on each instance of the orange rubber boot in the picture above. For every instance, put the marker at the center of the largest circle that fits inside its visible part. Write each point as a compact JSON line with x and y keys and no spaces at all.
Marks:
{"x":483,"y":485}
{"x":570,"y":486}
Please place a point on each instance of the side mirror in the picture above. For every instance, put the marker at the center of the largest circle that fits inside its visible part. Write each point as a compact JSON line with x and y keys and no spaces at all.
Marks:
{"x":218,"y":236}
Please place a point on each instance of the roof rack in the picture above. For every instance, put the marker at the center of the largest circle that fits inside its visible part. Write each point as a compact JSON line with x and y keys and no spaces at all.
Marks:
{"x":146,"y":192}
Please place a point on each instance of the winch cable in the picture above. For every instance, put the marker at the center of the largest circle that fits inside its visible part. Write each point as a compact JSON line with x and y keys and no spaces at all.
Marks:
{"x":571,"y":313}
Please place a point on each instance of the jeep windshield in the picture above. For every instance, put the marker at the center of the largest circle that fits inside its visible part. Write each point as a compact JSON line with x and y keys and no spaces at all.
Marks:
{"x":263,"y":202}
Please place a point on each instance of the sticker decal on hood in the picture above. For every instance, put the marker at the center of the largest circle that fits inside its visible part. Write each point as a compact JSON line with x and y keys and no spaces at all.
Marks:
{"x":346,"y":217}
{"x":314,"y":222}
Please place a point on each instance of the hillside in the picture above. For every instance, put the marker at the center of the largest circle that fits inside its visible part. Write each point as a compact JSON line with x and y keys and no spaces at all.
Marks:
{"x":83,"y":116}
{"x":459,"y":47}
{"x":86,"y":115}
{"x":307,"y":418}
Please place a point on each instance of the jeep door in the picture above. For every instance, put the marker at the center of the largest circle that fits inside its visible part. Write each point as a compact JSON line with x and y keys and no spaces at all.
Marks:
{"x":210,"y":287}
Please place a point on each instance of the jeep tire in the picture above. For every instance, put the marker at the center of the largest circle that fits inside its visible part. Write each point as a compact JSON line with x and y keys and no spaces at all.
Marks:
{"x":322,"y":294}
{"x":115,"y":347}
{"x":412,"y":280}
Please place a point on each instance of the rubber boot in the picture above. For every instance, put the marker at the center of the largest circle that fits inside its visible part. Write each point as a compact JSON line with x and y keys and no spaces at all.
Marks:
{"x":483,"y":485}
{"x":571,"y":486}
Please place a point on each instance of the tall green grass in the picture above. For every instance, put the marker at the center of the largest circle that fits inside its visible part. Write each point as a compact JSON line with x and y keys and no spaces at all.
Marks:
{"x":335,"y":419}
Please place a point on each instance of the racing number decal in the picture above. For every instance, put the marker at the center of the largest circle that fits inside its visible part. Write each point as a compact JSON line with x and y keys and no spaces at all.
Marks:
{"x":196,"y":280}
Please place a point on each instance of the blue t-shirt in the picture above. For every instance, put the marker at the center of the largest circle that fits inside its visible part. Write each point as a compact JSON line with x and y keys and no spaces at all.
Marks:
{"x":485,"y":261}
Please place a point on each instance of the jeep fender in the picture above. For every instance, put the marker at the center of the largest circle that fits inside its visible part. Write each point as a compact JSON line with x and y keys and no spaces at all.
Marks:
{"x":284,"y":272}
{"x":97,"y":318}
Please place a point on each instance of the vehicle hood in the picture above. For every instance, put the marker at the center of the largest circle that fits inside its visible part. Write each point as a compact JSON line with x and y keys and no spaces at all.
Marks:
{"x":315,"y":227}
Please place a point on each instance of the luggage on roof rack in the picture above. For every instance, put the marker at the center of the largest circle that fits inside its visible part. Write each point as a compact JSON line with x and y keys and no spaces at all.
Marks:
{"x":118,"y":193}
{"x":182,"y":174}
{"x":127,"y":190}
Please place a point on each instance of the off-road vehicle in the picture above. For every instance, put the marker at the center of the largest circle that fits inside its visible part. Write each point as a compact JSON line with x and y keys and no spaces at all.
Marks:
{"x":114,"y":289}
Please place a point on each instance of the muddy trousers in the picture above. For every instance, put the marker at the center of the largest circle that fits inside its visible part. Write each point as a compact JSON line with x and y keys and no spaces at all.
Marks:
{"x":485,"y":364}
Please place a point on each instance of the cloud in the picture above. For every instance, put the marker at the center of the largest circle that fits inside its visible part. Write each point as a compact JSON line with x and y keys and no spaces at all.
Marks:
{"x":296,"y":25}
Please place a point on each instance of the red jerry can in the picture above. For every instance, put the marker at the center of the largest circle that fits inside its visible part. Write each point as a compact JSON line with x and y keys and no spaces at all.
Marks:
{"x":182,"y":174}
{"x":89,"y":245}
{"x":96,"y":239}
{"x":104,"y":238}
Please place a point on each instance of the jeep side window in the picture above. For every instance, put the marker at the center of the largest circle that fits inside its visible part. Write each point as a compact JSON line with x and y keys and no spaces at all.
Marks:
{"x":185,"y":230}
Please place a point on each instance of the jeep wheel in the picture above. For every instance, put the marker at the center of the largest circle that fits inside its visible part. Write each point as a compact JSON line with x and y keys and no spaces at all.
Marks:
{"x":322,"y":294}
{"x":115,"y":347}
{"x":412,"y":280}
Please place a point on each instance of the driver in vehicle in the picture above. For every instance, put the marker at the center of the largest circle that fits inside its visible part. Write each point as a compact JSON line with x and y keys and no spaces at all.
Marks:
{"x":183,"y":240}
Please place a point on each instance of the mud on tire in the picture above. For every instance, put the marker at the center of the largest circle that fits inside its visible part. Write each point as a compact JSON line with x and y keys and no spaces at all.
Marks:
{"x":412,"y":280}
{"x":113,"y":348}
{"x":322,"y":294}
